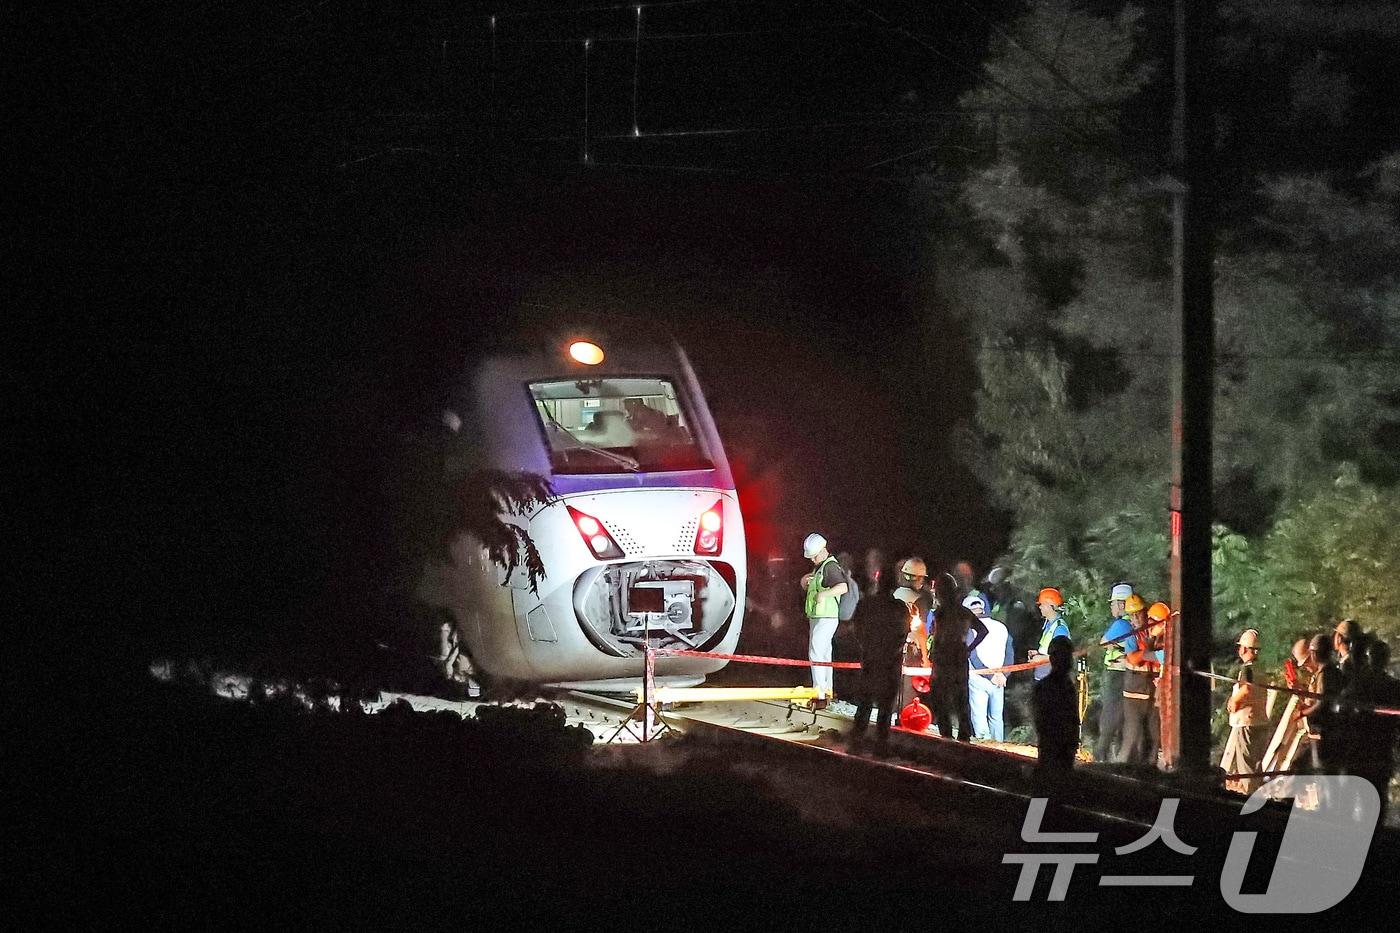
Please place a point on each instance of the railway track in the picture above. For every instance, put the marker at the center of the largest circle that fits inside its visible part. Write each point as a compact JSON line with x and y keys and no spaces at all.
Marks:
{"x":919,"y":764}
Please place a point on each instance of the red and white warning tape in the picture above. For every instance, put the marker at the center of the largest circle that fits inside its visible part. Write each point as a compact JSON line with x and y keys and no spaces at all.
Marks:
{"x":842,"y":665}
{"x":1297,"y":691}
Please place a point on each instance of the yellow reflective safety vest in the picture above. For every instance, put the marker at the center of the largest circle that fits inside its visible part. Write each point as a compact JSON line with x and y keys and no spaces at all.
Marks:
{"x":828,"y":607}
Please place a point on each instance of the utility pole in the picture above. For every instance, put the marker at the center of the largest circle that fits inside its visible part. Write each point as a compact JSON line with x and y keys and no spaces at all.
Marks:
{"x":1184,"y":698}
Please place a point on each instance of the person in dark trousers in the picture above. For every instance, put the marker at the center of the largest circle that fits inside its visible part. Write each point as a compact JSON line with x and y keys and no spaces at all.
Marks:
{"x":956,"y":632}
{"x":882,"y":625}
{"x":1141,"y":723}
{"x":1056,"y":702}
{"x":1111,"y":694}
{"x":1245,"y":748}
{"x":1373,"y":750}
{"x":1325,"y":745}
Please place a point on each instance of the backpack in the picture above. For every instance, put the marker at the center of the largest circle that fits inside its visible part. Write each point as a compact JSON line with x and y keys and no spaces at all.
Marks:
{"x":849,"y":600}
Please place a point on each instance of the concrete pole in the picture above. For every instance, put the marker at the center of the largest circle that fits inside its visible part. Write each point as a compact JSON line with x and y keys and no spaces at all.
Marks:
{"x":1186,"y":698}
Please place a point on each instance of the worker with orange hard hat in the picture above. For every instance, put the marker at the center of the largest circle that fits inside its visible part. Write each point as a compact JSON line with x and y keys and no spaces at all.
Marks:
{"x":1144,"y":653}
{"x":1050,"y":602}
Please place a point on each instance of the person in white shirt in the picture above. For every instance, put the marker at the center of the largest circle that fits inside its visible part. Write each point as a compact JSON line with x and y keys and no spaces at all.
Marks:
{"x":987,"y":692}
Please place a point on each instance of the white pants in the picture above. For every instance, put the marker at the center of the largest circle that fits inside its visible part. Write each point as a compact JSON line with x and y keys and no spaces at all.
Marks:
{"x":819,"y":649}
{"x":986,"y":701}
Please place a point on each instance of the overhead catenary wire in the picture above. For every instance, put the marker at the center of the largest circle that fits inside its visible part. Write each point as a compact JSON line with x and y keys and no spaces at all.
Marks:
{"x":879,"y":120}
{"x":657,"y":4}
{"x":1065,"y":128}
{"x":1094,"y":105}
{"x":977,"y":346}
{"x":676,"y":36}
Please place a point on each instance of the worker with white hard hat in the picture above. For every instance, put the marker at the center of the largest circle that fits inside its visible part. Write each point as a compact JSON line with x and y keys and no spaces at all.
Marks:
{"x":1111,"y":695}
{"x":987,"y":692}
{"x":824,"y":587}
{"x":1248,"y":719}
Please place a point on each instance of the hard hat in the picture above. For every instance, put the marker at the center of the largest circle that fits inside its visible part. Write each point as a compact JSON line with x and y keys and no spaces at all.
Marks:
{"x":913,"y":567}
{"x":1050,"y":595}
{"x":1160,"y":612}
{"x":974,"y":599}
{"x":812,"y":544}
{"x":1134,"y":603}
{"x":1349,"y":629}
{"x":1249,"y":638}
{"x":1121,"y":591}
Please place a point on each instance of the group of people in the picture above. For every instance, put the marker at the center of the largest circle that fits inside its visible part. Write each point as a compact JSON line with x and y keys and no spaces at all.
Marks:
{"x":1134,"y":649}
{"x":1340,"y":714}
{"x":966,"y":636}
{"x":945,"y":625}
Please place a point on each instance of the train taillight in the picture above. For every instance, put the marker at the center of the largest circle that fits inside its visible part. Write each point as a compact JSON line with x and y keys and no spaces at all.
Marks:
{"x":709,"y":537}
{"x":595,"y":535}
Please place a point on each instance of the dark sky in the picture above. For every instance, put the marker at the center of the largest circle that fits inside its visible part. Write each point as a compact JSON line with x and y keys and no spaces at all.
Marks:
{"x":283,"y":228}
{"x":265,"y":239}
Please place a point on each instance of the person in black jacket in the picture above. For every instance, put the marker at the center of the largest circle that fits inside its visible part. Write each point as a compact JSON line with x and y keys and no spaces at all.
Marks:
{"x":949,"y":648}
{"x":1056,"y":710}
{"x":882,"y":625}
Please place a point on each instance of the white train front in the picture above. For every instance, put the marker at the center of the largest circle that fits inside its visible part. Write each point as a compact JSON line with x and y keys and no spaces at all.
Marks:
{"x":645,"y":534}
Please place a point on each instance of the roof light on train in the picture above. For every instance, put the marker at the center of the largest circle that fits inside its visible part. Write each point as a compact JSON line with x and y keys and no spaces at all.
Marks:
{"x":586,"y":352}
{"x":709,"y":537}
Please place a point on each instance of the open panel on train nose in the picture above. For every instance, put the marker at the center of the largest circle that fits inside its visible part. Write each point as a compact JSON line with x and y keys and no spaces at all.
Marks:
{"x":677,"y":603}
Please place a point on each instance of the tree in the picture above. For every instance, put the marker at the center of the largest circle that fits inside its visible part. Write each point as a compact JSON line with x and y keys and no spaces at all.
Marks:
{"x":435,"y":496}
{"x":1056,"y":266}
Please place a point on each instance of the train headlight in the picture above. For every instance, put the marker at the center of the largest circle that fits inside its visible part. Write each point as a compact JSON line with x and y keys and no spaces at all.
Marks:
{"x":594,"y":535}
{"x":586,"y":352}
{"x":709,"y":537}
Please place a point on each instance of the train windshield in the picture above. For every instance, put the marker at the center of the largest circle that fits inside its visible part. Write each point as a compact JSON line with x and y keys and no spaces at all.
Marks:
{"x":616,"y":425}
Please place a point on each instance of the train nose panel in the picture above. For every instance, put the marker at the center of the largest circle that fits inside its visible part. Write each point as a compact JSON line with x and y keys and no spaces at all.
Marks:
{"x":678,"y":603}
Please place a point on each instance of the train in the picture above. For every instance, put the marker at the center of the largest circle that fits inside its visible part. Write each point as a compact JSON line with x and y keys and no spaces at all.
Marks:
{"x":642,"y":540}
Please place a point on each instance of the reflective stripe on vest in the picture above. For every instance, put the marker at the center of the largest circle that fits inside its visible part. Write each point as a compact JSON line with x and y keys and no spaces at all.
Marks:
{"x":1047,"y":634}
{"x":828,"y":607}
{"x":1114,"y":654}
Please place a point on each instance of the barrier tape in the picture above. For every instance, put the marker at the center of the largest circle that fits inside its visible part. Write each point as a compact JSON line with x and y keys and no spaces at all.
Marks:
{"x":754,"y":659}
{"x":984,"y":671}
{"x":843,"y":665}
{"x":1298,"y":691}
